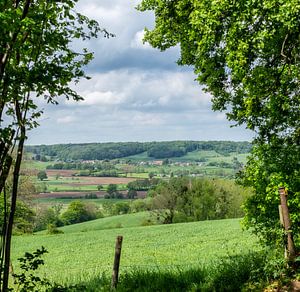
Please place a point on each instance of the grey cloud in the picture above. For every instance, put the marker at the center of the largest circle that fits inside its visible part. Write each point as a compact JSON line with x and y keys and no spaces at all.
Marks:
{"x":121,"y":18}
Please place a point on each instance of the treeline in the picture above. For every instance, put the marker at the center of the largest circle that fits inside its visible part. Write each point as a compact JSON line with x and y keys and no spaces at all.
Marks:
{"x":177,"y":200}
{"x":157,"y":150}
{"x":185,"y":200}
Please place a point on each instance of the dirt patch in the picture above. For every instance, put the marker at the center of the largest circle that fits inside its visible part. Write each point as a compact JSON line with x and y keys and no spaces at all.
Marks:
{"x":88,"y":180}
{"x":84,"y":181}
{"x":100,"y":194}
{"x":60,"y":172}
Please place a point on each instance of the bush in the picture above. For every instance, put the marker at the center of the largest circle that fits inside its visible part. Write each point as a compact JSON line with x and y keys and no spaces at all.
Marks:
{"x":79,"y":212}
{"x":52,"y":229}
{"x":121,"y":208}
{"x":47,"y":216}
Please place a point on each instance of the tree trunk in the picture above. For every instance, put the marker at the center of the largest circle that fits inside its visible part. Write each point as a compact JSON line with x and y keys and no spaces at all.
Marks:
{"x":8,"y":235}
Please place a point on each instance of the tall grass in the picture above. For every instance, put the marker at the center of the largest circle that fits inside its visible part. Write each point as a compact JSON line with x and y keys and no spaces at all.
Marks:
{"x":232,"y":273}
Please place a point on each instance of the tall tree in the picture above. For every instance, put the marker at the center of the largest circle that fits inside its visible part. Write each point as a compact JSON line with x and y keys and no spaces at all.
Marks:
{"x":37,"y":60}
{"x":247,"y":55}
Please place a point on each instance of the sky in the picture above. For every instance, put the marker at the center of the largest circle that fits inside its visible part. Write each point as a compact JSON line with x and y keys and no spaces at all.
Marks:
{"x":136,"y":93}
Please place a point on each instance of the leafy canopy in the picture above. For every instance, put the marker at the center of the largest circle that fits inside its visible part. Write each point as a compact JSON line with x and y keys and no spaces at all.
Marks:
{"x":246,"y":54}
{"x":38,"y":59}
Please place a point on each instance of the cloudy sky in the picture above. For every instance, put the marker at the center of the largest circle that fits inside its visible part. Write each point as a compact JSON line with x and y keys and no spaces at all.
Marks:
{"x":136,"y":93}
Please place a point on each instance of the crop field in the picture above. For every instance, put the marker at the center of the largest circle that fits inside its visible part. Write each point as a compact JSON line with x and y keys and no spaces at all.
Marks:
{"x":87,"y":180}
{"x":78,"y":186}
{"x":87,"y":249}
{"x":65,"y":201}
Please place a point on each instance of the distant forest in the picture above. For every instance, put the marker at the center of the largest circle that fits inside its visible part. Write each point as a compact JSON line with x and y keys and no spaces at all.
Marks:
{"x":156,"y":150}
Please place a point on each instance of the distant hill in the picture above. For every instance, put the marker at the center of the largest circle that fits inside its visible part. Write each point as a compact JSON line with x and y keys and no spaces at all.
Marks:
{"x":155,"y":150}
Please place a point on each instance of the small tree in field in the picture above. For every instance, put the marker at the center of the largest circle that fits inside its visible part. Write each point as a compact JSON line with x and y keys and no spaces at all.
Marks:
{"x":111,"y":189}
{"x":42,"y":175}
{"x":78,"y":212}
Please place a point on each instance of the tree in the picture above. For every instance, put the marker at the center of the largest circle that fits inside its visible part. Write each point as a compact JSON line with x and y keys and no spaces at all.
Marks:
{"x":111,"y":189}
{"x":131,"y":194}
{"x":78,"y":212}
{"x":42,"y":175}
{"x":151,"y":174}
{"x":36,"y":56}
{"x":247,"y":55}
{"x":182,"y":200}
{"x":166,"y":199}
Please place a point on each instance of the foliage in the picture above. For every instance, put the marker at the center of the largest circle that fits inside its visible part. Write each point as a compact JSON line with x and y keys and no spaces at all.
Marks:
{"x":121,"y":208}
{"x":26,"y":280}
{"x":52,"y":229}
{"x":42,"y":175}
{"x":46,"y":216}
{"x":186,"y":199}
{"x":111,"y":188}
{"x":264,"y":174}
{"x":101,"y":151}
{"x":78,"y":212}
{"x":230,"y":273}
{"x":166,"y":151}
{"x":131,"y":194}
{"x":246,"y":54}
{"x":36,"y":56}
{"x":143,"y":184}
{"x":24,"y":217}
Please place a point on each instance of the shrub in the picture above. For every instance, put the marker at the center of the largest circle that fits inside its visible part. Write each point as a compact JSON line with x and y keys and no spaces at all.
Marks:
{"x":52,"y":229}
{"x":79,"y":212}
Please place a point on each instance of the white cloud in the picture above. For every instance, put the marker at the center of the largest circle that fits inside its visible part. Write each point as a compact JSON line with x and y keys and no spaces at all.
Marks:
{"x":66,"y":120}
{"x":144,"y":91}
{"x":101,"y":98}
{"x":147,"y":120}
{"x":136,"y":93}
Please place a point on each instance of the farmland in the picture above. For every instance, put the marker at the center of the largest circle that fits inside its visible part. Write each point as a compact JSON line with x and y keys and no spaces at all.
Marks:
{"x":84,"y":178}
{"x":91,"y":245}
{"x":147,"y":245}
{"x":84,"y":184}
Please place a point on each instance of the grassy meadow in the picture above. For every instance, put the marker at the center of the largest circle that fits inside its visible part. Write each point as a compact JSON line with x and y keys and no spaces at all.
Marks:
{"x":87,"y":249}
{"x":190,"y":256}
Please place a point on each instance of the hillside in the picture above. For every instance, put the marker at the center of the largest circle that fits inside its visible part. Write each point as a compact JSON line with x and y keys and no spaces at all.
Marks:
{"x":154,"y":150}
{"x":151,"y":247}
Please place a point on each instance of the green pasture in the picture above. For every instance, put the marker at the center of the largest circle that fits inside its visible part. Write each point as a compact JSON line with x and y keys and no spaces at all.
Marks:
{"x":120,"y":221}
{"x":138,"y":175}
{"x":48,"y":202}
{"x":69,"y":188}
{"x":197,"y":155}
{"x":67,"y":184}
{"x":35,"y":165}
{"x":85,"y":250}
{"x":139,"y":157}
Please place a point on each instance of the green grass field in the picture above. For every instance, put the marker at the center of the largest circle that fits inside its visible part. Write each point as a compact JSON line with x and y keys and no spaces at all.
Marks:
{"x":49,"y":202}
{"x":87,"y":249}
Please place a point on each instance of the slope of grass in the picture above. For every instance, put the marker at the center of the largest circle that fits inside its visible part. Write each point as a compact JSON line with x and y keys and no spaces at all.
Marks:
{"x":76,"y":255}
{"x":120,"y":221}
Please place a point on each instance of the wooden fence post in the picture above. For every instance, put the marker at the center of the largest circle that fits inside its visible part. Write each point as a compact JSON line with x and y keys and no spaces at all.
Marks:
{"x":287,"y":223}
{"x":115,"y":273}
